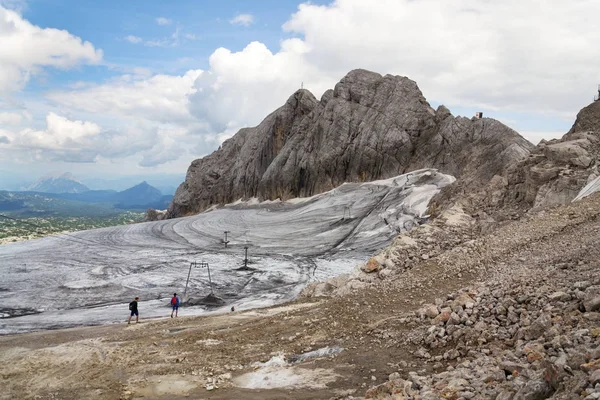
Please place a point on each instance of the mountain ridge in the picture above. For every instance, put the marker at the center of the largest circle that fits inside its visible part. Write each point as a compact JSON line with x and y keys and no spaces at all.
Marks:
{"x":138,"y":197}
{"x":58,"y":183}
{"x":368,"y":127}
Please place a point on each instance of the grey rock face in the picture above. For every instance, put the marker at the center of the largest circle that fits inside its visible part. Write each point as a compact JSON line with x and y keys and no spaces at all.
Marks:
{"x":556,"y":171}
{"x":368,"y":127}
{"x":588,"y":119}
{"x":236,"y":168}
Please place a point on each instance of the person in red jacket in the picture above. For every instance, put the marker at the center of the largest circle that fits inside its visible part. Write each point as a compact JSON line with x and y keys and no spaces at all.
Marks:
{"x":174,"y":304}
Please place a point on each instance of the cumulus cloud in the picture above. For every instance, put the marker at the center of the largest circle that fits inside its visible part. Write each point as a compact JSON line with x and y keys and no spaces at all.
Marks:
{"x":161,"y":154}
{"x":242,"y":19}
{"x":133,"y":39}
{"x":159,"y":98}
{"x":68,"y":140}
{"x":60,"y":133}
{"x":242,"y":87}
{"x":163,"y":21}
{"x":10,"y":118}
{"x":4,"y":140}
{"x":26,"y":49}
{"x":510,"y":54}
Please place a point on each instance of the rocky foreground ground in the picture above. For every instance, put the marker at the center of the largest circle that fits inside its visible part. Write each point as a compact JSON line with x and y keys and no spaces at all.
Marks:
{"x":458,"y":309}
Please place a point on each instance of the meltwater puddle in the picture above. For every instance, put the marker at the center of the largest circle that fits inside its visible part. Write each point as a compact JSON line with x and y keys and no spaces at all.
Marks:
{"x":280,"y":372}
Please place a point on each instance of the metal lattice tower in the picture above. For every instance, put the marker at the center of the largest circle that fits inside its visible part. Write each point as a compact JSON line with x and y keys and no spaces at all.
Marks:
{"x":200,"y":265}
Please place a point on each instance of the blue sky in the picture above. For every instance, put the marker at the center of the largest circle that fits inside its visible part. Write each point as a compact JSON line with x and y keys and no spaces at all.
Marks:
{"x":107,"y":23}
{"x":189,"y":33}
{"x":142,"y":88}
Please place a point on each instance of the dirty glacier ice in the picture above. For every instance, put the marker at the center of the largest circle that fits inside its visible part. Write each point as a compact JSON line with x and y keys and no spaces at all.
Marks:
{"x":89,"y":277}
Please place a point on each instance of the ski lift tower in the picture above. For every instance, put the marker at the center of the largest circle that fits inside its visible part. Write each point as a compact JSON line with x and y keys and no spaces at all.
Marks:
{"x":201,"y":265}
{"x":597,"y":97}
{"x":226,"y":241}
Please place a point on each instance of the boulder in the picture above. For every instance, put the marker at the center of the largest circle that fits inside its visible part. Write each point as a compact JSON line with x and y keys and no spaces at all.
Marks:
{"x":429,"y":311}
{"x":396,"y":389}
{"x":591,"y":301}
{"x":559,"y":296}
{"x":539,"y":326}
{"x":534,"y":390}
{"x":371,"y":266}
{"x":595,"y":377}
{"x":463,"y":300}
{"x":569,"y":152}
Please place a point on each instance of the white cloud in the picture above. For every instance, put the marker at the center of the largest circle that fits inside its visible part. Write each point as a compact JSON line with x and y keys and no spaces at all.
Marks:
{"x":243,"y":87}
{"x":172,"y":40}
{"x":162,"y":153}
{"x":60,"y":133}
{"x":153,"y":109}
{"x":68,"y":140}
{"x":163,"y":21}
{"x":510,"y":54}
{"x":26,"y":49}
{"x":10,"y":118}
{"x":157,"y":43}
{"x":16,"y":5}
{"x":159,"y":98}
{"x":242,"y":19}
{"x":133,"y":39}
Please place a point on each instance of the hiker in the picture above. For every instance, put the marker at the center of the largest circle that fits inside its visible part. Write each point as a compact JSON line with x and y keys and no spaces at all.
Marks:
{"x":175,"y":304}
{"x":134,"y":310}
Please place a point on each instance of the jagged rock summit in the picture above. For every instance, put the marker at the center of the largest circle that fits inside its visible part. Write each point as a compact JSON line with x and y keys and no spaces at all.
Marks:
{"x":588,"y":119}
{"x":556,"y":171}
{"x":60,"y":183}
{"x":368,"y":127}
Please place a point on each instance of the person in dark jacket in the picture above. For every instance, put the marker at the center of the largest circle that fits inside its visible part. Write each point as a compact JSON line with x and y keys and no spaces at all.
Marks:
{"x":133,"y":307}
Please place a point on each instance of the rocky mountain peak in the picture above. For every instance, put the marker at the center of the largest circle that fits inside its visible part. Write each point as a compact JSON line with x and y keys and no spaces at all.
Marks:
{"x":588,"y":119}
{"x":58,"y":183}
{"x":368,"y":127}
{"x":302,"y":100}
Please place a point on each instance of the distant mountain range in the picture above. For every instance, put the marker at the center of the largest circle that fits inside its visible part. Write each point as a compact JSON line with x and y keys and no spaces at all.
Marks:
{"x":65,"y":183}
{"x":74,"y":203}
{"x":140,"y":196}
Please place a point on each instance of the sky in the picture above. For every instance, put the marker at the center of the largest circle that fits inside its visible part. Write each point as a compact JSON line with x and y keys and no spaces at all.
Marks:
{"x":112,"y":89}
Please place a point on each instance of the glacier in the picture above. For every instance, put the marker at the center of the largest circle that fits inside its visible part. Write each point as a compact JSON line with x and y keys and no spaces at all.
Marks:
{"x":89,"y":277}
